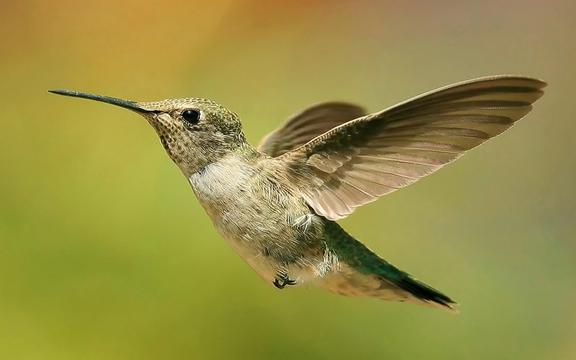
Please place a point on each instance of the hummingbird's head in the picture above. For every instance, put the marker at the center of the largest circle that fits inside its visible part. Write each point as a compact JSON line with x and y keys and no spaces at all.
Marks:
{"x":195,"y":132}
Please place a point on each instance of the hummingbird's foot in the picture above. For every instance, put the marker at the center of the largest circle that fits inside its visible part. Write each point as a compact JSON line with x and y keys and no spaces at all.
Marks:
{"x":282,"y":280}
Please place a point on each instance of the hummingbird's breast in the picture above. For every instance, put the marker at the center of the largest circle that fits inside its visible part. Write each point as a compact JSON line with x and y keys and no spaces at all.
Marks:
{"x":262,"y":217}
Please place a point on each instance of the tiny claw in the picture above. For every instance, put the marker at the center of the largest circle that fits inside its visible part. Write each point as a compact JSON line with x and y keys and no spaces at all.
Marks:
{"x":278,"y":284}
{"x":282,"y":280}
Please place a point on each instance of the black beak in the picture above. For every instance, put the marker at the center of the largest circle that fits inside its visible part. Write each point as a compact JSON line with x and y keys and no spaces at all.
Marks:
{"x":127,"y":104}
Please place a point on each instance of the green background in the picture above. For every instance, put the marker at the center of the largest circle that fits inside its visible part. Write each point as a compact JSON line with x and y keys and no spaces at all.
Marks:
{"x":106,"y":254}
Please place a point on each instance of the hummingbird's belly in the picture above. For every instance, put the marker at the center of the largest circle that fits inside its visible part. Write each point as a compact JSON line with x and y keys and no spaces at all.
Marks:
{"x":269,"y":226}
{"x":270,"y":242}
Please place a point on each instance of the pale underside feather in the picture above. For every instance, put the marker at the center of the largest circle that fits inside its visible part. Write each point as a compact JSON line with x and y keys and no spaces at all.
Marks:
{"x":348,"y":281}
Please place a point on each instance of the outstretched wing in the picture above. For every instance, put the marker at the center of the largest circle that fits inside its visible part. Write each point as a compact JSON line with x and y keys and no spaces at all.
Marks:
{"x":363,"y":159}
{"x":308,"y":124}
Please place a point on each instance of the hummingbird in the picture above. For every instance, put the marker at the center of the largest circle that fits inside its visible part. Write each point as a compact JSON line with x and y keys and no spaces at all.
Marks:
{"x":277,"y":204}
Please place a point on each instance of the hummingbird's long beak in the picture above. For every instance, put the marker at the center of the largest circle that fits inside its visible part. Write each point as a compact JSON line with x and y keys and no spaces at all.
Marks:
{"x":128,"y":104}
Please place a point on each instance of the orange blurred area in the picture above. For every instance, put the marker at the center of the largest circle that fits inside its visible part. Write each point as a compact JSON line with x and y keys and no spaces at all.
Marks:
{"x":106,"y":254}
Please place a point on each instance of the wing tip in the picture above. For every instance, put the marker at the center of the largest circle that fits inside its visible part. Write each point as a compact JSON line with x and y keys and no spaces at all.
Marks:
{"x":536,"y":82}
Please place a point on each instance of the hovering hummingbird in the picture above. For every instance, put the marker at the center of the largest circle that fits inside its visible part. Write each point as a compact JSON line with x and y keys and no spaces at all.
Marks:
{"x":277,"y":204}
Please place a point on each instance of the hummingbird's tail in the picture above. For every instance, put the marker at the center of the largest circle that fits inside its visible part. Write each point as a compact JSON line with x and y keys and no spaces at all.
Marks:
{"x":363,"y":273}
{"x":425,"y":293}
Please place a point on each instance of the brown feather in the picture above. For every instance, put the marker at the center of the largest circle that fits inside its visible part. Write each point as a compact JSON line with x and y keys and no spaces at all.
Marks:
{"x":363,"y":159}
{"x":307,"y":125}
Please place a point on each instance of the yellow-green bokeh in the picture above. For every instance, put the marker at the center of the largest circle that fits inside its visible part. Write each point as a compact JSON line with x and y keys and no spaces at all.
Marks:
{"x":105,"y":253}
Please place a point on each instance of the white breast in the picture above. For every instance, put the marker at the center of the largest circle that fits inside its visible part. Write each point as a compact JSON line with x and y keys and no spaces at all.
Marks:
{"x":221,"y":189}
{"x":220,"y":180}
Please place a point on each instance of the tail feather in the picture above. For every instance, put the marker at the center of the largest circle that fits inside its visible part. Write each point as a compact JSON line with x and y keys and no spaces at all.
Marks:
{"x":426,"y":293}
{"x":363,"y":273}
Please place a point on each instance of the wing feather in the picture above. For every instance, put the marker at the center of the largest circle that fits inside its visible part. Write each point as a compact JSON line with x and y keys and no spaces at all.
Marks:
{"x":307,"y":125}
{"x":360,"y":160}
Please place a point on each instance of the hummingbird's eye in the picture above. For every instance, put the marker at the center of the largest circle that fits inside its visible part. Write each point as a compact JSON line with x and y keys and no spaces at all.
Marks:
{"x":191,"y":116}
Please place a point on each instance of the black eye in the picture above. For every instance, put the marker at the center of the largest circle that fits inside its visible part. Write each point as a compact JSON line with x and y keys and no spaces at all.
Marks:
{"x":191,"y":116}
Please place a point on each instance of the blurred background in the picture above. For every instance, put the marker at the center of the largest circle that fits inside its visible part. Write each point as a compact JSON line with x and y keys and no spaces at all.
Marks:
{"x":106,"y":254}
